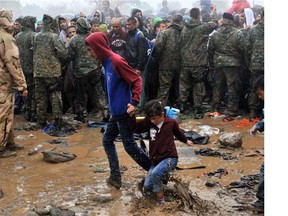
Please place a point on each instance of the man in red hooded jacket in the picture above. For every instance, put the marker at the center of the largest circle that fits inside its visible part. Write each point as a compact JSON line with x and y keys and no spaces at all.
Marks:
{"x":123,"y":87}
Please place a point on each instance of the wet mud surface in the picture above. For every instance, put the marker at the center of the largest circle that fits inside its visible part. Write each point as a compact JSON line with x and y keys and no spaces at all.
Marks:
{"x":32,"y":186}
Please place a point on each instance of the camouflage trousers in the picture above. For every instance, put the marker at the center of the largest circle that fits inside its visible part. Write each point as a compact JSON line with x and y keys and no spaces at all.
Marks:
{"x":226,"y":78}
{"x":6,"y":119}
{"x":168,"y":92}
{"x":47,"y":88}
{"x":89,"y":87}
{"x":254,"y":102}
{"x":29,"y":101}
{"x":192,"y":82}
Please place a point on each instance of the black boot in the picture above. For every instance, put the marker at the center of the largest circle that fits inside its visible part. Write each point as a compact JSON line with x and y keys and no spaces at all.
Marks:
{"x":79,"y":118}
{"x":58,"y":122}
{"x":198,"y":113}
{"x":27,"y":114}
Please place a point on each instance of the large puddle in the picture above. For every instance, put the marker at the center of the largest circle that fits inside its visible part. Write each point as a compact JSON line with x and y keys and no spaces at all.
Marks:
{"x":32,"y":185}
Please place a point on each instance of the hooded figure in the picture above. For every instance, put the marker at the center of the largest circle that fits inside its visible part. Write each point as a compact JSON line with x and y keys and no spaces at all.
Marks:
{"x":123,"y":89}
{"x":97,"y":15}
{"x":11,"y":79}
{"x":63,"y":25}
{"x":87,"y":73}
{"x":25,"y":41}
{"x":49,"y":54}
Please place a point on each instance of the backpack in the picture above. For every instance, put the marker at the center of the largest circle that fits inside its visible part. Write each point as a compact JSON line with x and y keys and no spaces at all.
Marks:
{"x":150,"y":45}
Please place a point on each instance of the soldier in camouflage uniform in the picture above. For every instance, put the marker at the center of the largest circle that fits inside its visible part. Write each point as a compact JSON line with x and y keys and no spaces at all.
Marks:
{"x":25,"y":40}
{"x":49,"y":53}
{"x":87,"y":71}
{"x":194,"y":59}
{"x":168,"y":54}
{"x":255,"y":49}
{"x":227,"y":48}
{"x":11,"y":79}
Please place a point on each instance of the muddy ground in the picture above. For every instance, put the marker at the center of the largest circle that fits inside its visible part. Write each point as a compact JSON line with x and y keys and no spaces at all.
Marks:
{"x":32,"y":186}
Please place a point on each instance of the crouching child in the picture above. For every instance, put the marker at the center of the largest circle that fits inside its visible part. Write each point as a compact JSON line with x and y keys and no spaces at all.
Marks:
{"x":162,"y":148}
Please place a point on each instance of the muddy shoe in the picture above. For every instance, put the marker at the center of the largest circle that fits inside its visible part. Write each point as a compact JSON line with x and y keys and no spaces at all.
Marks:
{"x":114,"y":182}
{"x":7,"y":153}
{"x":14,"y":147}
{"x":257,"y":206}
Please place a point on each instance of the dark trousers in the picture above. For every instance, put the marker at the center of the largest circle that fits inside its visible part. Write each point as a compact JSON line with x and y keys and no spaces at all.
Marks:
{"x":121,"y":125}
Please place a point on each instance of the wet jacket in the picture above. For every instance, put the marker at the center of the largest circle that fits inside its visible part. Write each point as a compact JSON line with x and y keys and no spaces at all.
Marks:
{"x":161,"y":141}
{"x":11,"y":74}
{"x":135,"y":53}
{"x":255,"y":47}
{"x":167,"y":48}
{"x":49,"y":52}
{"x":83,"y":64}
{"x":227,"y":46}
{"x":122,"y":84}
{"x":25,"y":40}
{"x":193,"y":42}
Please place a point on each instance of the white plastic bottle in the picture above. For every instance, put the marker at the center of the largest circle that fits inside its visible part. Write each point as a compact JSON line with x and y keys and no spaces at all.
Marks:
{"x":35,"y":150}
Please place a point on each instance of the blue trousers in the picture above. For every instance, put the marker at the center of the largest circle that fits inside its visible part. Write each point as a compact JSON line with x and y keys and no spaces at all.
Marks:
{"x":157,"y":173}
{"x":116,"y":125}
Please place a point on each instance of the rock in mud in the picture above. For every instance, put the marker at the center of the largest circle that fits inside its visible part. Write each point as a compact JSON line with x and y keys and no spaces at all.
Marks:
{"x":61,"y":212}
{"x":103,"y":198}
{"x":231,"y":140}
{"x":210,"y":183}
{"x":56,"y":156}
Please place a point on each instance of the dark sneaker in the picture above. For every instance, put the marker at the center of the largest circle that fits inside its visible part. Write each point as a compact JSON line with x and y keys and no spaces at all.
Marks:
{"x":7,"y":153}
{"x":14,"y":147}
{"x":257,"y":206}
{"x":114,"y":182}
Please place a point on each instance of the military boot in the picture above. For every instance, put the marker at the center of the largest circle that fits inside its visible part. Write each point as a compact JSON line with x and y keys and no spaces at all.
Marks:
{"x":198,"y":113}
{"x":58,"y":122}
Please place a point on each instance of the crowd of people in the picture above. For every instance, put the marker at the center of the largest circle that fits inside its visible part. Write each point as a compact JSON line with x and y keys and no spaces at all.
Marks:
{"x":100,"y":64}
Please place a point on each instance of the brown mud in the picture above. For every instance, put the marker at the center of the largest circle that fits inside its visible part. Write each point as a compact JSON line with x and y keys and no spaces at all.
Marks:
{"x":31,"y":185}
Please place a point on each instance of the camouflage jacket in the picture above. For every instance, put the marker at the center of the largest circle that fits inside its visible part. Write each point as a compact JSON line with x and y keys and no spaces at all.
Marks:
{"x":193,"y":42}
{"x":25,"y":40}
{"x":227,"y":46}
{"x":49,"y":53}
{"x":167,"y":48}
{"x":11,"y":74}
{"x":255,"y":47}
{"x":82,"y":62}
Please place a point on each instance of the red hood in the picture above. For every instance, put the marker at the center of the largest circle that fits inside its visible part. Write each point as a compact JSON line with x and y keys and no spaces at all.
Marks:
{"x":100,"y":44}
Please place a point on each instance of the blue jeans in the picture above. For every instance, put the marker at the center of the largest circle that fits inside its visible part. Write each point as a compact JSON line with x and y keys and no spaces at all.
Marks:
{"x":260,"y":190}
{"x":116,"y":125}
{"x":158,"y":173}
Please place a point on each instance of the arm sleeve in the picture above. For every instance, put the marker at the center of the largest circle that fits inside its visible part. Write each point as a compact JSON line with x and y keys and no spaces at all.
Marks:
{"x":10,"y":56}
{"x":178,"y":133}
{"x":131,"y":77}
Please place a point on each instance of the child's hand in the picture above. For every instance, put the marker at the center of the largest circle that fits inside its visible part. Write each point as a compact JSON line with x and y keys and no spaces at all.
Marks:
{"x":189,"y":142}
{"x":131,"y":109}
{"x":253,"y":131}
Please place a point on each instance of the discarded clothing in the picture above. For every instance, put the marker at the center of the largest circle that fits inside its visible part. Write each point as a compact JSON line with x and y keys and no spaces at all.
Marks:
{"x":196,"y":138}
{"x":218,"y":173}
{"x":65,"y":130}
{"x":213,"y":153}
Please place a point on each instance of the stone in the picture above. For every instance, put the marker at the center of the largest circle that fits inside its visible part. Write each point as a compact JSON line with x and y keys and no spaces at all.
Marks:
{"x":233,"y":140}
